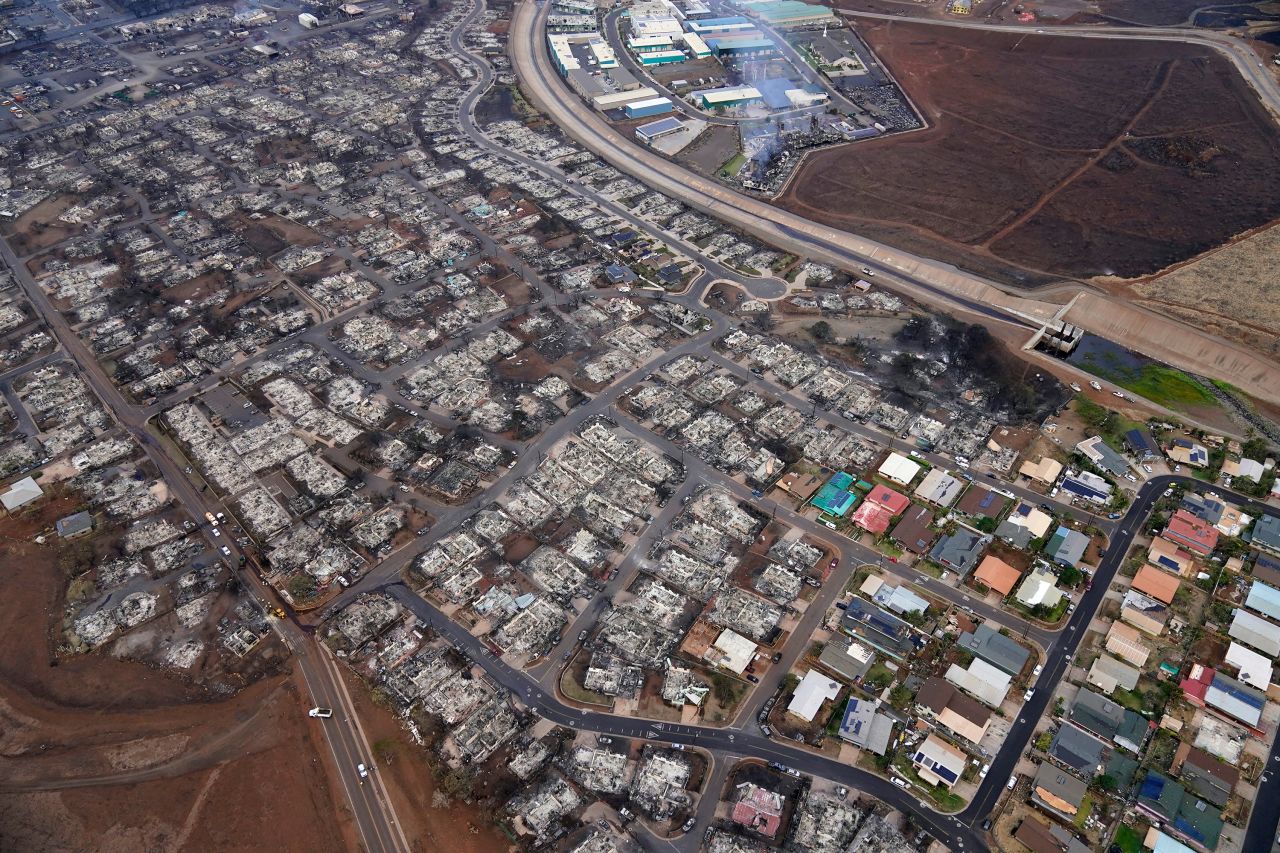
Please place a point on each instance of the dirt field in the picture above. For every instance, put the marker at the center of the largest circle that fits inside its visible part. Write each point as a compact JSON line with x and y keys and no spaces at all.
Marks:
{"x":1051,"y":157}
{"x":1229,"y":292}
{"x":429,"y":822}
{"x":98,"y":754}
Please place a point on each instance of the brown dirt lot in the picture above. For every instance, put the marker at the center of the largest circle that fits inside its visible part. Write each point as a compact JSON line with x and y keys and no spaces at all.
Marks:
{"x":1052,"y":157}
{"x":98,"y":754}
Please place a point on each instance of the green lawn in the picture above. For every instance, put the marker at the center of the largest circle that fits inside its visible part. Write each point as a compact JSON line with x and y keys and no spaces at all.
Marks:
{"x":733,"y":164}
{"x":1086,"y":806}
{"x":1128,"y":839}
{"x":1159,"y":384}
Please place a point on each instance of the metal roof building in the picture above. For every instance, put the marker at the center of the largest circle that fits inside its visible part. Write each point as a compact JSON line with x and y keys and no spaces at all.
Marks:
{"x":814,"y":689}
{"x":1234,"y":699}
{"x":1264,"y":599}
{"x":1256,"y":632}
{"x":21,"y":493}
{"x":995,"y":648}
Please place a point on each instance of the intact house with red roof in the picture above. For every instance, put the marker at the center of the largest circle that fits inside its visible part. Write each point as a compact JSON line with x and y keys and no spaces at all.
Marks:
{"x":1194,"y":534}
{"x":879,"y":508}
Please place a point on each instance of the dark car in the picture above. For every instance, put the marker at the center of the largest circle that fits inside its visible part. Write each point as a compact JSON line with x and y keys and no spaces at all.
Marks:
{"x":753,"y":679}
{"x":986,"y":824}
{"x":777,"y":656}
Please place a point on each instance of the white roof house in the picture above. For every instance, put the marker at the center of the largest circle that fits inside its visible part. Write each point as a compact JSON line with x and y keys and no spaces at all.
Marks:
{"x":1256,"y":632}
{"x":939,"y":487}
{"x":899,"y":469}
{"x":813,"y":690}
{"x":981,"y":680}
{"x":21,"y":493}
{"x":1255,"y":669}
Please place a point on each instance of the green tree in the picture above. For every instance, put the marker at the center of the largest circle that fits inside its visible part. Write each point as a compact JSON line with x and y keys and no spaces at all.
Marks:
{"x":301,"y":586}
{"x":1070,"y":576}
{"x":1105,"y":782}
{"x":822,"y":332}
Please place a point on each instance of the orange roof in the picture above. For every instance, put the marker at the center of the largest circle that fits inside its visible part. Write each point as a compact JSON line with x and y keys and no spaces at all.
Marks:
{"x":1161,"y":586}
{"x":997,"y":574}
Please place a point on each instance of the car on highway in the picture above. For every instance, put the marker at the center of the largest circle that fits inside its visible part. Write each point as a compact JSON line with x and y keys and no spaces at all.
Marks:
{"x":363,"y":771}
{"x":322,"y":713}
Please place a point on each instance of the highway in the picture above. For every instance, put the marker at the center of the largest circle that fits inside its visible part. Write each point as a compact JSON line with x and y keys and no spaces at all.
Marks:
{"x":924,"y":279}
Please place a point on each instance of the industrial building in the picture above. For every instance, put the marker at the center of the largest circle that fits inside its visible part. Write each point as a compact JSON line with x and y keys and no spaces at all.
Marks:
{"x":648,"y":107}
{"x":617,"y":100}
{"x":646,"y":133}
{"x":728,"y":96}
{"x":789,"y":14}
{"x":572,"y":51}
{"x":661,"y":57}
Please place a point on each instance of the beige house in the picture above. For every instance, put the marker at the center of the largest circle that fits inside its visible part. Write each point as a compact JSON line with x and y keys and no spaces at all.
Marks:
{"x":1126,"y":643}
{"x":1045,"y":471}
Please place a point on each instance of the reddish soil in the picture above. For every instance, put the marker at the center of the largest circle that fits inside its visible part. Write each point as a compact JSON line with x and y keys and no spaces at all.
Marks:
{"x":411,"y":784}
{"x":98,"y":754}
{"x":1052,"y":156}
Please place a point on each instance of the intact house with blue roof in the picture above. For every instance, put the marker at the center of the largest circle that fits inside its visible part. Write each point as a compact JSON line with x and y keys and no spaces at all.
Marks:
{"x":1141,"y":444}
{"x":865,"y":727}
{"x":1066,"y":547}
{"x":1264,"y":599}
{"x":836,"y":497}
{"x":960,"y":551}
{"x":1188,"y":816}
{"x":1266,"y":533}
{"x":988,"y":644}
{"x":619,"y":274}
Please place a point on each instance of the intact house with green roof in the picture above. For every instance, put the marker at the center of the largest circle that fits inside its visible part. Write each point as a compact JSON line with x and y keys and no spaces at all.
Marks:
{"x":836,"y":497}
{"x":1179,"y":811}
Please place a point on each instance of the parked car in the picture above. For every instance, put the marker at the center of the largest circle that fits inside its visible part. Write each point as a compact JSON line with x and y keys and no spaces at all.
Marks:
{"x":900,"y":782}
{"x":753,"y":679}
